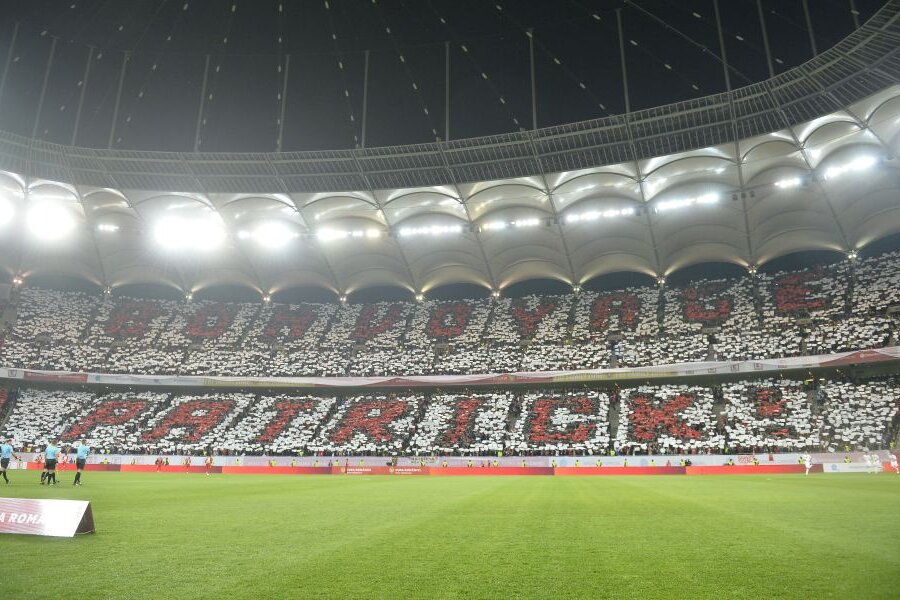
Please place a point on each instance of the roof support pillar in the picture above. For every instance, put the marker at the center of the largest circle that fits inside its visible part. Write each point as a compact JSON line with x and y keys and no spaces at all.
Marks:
{"x":622,"y":60}
{"x":446,"y":90}
{"x":809,"y":28}
{"x":765,"y":37}
{"x":40,"y":106}
{"x":115,"y":117}
{"x":284,"y":91}
{"x":84,"y":83}
{"x":202,"y":104}
{"x":9,"y":55}
{"x":533,"y":78}
{"x":365,"y":107}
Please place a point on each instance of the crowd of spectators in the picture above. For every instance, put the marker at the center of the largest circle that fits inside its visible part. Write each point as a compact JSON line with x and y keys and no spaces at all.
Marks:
{"x":771,"y":414}
{"x":463,"y":424}
{"x":819,"y":310}
{"x":667,"y":419}
{"x":746,"y":416}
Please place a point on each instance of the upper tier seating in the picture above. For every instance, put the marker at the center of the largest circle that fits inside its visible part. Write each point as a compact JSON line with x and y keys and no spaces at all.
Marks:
{"x":810,"y":311}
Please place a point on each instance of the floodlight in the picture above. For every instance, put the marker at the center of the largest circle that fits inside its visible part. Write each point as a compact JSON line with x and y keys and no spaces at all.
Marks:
{"x":180,"y":233}
{"x":50,"y":221}
{"x":790,"y":182}
{"x":860,"y":163}
{"x":272,"y":234}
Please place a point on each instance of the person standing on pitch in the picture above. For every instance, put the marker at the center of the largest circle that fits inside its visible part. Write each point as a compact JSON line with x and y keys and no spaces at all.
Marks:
{"x":6,"y":453}
{"x":893,"y":460}
{"x":50,"y":455}
{"x":876,"y":463}
{"x":807,"y":462}
{"x":81,"y":454}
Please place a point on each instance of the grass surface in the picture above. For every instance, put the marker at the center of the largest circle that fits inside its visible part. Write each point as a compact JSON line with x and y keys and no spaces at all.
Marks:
{"x":266,"y":536}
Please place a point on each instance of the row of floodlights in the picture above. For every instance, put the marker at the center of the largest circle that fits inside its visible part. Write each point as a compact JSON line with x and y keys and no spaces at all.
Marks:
{"x":49,"y":221}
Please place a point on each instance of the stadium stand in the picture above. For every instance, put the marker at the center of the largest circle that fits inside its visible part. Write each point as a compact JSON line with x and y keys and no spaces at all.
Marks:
{"x":553,"y":423}
{"x":808,"y":311}
{"x":464,"y":424}
{"x":751,"y":416}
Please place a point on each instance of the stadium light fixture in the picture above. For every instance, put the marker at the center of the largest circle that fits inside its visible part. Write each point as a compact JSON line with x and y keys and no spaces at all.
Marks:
{"x":667,"y":205}
{"x":271,"y":235}
{"x":182,"y":233}
{"x":342,"y":299}
{"x":518,"y":224}
{"x":752,"y":269}
{"x":17,"y":281}
{"x":267,"y":299}
{"x":50,"y":221}
{"x":107,"y":227}
{"x":660,"y":280}
{"x":594,"y":215}
{"x":189,"y":296}
{"x":790,"y":182}
{"x":495,"y":294}
{"x":852,"y":255}
{"x":858,"y":164}
{"x":327,"y":234}
{"x":430,"y":230}
{"x":420,"y":297}
{"x":576,"y":289}
{"x":107,"y":291}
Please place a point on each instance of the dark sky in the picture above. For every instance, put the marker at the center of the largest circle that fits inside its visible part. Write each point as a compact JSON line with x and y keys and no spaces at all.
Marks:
{"x":671,"y":49}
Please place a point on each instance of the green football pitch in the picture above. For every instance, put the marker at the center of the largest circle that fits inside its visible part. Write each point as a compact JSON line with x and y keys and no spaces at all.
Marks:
{"x":268,"y":536}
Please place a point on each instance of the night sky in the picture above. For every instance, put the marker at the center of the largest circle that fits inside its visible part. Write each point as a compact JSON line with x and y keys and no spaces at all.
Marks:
{"x":671,"y":47}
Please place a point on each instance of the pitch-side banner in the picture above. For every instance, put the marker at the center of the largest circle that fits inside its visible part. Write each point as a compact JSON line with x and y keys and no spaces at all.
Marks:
{"x":691,"y":369}
{"x":56,"y":518}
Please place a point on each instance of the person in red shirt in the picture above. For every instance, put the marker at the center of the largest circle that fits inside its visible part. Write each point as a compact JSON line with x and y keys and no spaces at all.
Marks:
{"x":159,"y":464}
{"x":187,"y":464}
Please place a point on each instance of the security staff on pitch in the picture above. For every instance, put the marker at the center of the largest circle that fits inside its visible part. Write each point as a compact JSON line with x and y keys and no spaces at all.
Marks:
{"x":50,"y":455}
{"x":81,"y":455}
{"x":6,"y":453}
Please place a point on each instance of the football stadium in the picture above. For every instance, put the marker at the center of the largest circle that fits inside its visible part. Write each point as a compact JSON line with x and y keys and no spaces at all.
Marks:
{"x":440,"y":299}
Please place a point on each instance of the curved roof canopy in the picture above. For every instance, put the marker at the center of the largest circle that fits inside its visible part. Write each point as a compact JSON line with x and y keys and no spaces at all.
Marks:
{"x":806,"y":160}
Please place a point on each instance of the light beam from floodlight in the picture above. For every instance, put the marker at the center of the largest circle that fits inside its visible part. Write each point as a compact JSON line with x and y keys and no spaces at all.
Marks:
{"x":7,"y":211}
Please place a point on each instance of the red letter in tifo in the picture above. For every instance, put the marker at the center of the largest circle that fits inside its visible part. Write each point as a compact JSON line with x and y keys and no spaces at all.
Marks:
{"x":286,"y":412}
{"x":625,"y":306}
{"x":296,"y":321}
{"x":112,"y":412}
{"x":650,"y":420}
{"x":542,"y":428}
{"x":200,"y":416}
{"x":463,"y":422}
{"x":371,"y":419}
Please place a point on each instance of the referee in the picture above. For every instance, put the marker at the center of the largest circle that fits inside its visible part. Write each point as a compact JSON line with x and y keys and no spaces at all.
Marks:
{"x":6,"y":453}
{"x":81,"y":454}
{"x":50,"y":455}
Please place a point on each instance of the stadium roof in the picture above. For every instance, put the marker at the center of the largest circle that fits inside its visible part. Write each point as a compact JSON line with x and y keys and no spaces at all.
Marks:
{"x":805,"y":160}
